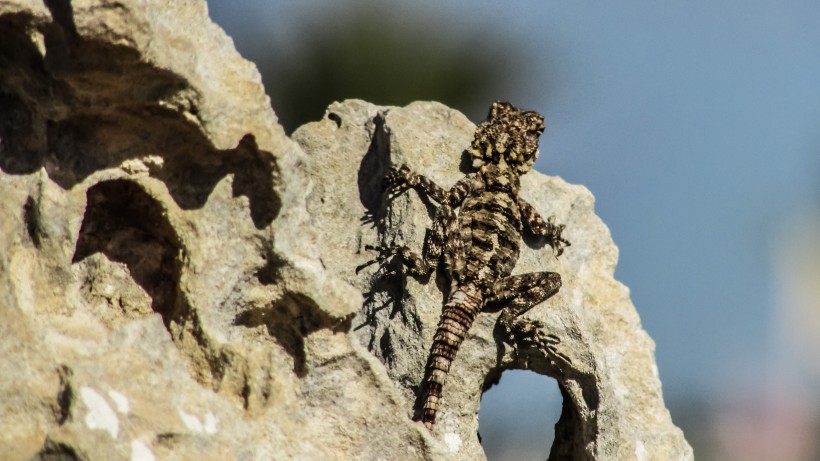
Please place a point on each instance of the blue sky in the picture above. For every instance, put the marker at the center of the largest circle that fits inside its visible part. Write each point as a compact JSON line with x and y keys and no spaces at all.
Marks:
{"x":696,"y":125}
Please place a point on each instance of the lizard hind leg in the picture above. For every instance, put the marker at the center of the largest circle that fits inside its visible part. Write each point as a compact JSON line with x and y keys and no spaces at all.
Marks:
{"x":523,"y":292}
{"x":452,"y":246}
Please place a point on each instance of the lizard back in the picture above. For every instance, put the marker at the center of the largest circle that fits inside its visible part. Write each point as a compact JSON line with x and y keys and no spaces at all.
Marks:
{"x":490,"y":229}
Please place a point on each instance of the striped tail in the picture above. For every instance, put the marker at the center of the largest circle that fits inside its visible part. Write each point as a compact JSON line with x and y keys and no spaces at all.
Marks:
{"x":456,"y":318}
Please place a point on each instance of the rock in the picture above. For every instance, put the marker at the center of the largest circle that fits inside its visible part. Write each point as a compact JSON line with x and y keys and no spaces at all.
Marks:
{"x":161,"y":291}
{"x":613,"y":407}
{"x":177,"y":275}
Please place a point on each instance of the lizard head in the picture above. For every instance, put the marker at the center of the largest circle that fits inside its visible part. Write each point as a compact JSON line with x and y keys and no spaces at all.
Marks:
{"x":508,"y":135}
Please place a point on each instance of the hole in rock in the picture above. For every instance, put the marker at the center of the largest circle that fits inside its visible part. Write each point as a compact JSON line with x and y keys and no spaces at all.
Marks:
{"x":129,"y":226}
{"x":518,"y":416}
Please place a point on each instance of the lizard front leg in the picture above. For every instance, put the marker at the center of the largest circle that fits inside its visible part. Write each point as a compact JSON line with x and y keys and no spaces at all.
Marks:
{"x":398,"y":180}
{"x":523,"y":292}
{"x":543,"y":229}
{"x":442,"y":237}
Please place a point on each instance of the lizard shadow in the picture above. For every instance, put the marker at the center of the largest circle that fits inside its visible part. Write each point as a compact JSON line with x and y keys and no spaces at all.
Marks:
{"x":386,"y":292}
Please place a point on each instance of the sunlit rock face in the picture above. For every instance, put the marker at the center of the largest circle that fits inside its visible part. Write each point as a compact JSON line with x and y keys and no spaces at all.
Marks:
{"x":177,"y":275}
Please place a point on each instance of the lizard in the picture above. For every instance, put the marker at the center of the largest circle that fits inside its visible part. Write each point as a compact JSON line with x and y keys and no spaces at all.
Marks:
{"x":480,"y":244}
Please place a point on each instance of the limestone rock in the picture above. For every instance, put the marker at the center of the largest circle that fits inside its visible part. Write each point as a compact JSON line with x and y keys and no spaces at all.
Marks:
{"x":613,"y":407}
{"x":161,"y":292}
{"x":177,"y":275}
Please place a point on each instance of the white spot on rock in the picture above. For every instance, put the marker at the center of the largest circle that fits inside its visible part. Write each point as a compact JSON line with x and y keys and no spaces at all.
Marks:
{"x":640,"y":451}
{"x":140,"y":452}
{"x":120,"y":401}
{"x":100,"y":415}
{"x":210,"y":423}
{"x":191,"y":421}
{"x":196,"y":425}
{"x":453,"y":441}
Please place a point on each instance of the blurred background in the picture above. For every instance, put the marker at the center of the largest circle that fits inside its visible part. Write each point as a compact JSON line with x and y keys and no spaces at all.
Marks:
{"x":696,"y":125}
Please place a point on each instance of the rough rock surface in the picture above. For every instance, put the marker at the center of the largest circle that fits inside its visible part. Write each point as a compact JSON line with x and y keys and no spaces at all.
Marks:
{"x":613,"y":407}
{"x":176,"y":274}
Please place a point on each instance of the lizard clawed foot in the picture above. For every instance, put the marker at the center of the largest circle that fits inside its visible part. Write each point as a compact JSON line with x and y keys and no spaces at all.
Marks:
{"x":555,"y":239}
{"x":396,"y":181}
{"x":530,"y":334}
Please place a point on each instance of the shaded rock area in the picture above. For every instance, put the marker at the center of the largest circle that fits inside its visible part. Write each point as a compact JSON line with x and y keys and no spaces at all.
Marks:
{"x":177,"y":275}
